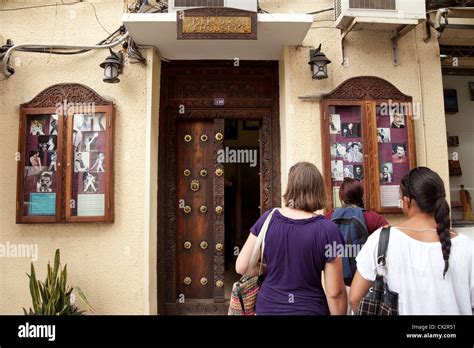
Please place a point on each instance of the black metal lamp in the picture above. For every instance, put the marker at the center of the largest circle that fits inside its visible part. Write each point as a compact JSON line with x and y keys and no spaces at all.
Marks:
{"x":112,"y":66}
{"x":318,"y":62}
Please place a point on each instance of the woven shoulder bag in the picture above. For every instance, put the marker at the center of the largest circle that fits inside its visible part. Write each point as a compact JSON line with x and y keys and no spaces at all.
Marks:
{"x":243,"y":299}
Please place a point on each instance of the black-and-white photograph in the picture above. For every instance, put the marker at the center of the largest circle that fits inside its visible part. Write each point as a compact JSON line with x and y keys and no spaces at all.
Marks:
{"x":333,"y":150}
{"x":359,"y":172}
{"x":81,"y":161}
{"x":386,"y":173}
{"x":383,"y":135}
{"x":337,"y":168}
{"x":334,"y":124}
{"x":341,"y":149}
{"x":97,"y":161}
{"x":99,"y":123}
{"x":47,"y":143}
{"x":90,"y":141}
{"x":36,"y":126}
{"x":90,"y":182}
{"x":53,"y":125}
{"x":399,"y":153}
{"x":348,"y":171}
{"x":52,"y":161}
{"x":45,"y":182}
{"x":83,"y":122}
{"x":35,"y":159}
{"x":76,"y":139}
{"x":351,"y":130}
{"x":354,"y":152}
{"x":397,"y":120}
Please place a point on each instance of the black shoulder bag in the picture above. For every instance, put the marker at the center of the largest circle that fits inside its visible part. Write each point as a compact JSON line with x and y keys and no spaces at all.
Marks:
{"x":379,"y":300}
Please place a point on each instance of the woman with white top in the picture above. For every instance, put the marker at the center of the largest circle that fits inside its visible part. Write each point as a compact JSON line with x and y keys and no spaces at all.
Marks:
{"x":430,"y":266}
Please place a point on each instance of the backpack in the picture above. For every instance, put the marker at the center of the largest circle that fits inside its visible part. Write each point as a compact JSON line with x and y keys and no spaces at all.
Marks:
{"x":351,"y":223}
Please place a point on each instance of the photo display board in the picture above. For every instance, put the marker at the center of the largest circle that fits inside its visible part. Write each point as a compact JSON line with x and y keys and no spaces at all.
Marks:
{"x":90,"y":169}
{"x":369,"y":141}
{"x":40,"y":175}
{"x":346,"y":143}
{"x":393,"y":153}
{"x":65,"y":157}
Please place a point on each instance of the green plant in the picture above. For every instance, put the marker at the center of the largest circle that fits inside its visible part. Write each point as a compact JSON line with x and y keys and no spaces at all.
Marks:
{"x":53,"y":296}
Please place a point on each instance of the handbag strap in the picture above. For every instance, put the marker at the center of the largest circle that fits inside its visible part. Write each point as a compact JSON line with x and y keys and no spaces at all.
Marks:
{"x":383,"y":246}
{"x":259,"y":245}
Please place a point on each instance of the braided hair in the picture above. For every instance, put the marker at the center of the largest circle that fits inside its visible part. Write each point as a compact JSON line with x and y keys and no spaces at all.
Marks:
{"x":427,"y":188}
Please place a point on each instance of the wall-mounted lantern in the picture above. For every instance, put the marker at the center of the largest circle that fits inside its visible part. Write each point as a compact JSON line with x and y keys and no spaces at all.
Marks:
{"x":318,"y":62}
{"x":112,"y":66}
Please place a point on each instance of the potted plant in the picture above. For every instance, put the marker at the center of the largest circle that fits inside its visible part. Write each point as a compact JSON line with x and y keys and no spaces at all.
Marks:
{"x":54,"y":296}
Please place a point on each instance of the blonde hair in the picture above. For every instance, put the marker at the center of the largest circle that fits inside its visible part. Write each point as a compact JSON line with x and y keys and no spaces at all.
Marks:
{"x":305,"y":189}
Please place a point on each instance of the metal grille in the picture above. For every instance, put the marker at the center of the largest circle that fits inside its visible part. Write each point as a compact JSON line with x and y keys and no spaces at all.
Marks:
{"x":457,"y":51}
{"x":337,"y":8}
{"x":198,"y":3}
{"x":373,"y":4}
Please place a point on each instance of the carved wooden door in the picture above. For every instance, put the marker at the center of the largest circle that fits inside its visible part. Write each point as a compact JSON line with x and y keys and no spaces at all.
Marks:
{"x":200,"y":214}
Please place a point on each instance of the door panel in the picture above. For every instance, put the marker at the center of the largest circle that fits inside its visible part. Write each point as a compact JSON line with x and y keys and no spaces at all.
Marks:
{"x":196,"y":208}
{"x":250,"y":93}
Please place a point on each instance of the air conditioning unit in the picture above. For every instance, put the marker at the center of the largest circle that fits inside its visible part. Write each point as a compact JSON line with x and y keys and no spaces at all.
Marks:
{"x":378,"y":14}
{"x":178,"y":5}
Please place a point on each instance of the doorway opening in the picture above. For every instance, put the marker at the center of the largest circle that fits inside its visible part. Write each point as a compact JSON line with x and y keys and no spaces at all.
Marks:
{"x":241,"y":158}
{"x":204,"y":220}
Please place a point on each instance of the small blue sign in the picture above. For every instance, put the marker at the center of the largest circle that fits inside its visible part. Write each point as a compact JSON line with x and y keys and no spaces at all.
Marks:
{"x":43,"y":204}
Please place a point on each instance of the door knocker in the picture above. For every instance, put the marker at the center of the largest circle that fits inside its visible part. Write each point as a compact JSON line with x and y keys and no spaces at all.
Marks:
{"x":195,"y":185}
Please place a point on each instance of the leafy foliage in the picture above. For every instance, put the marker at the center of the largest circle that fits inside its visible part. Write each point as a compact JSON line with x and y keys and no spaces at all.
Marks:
{"x":53,"y":296}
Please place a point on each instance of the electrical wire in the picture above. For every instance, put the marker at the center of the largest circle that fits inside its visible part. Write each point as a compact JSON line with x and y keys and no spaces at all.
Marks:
{"x":321,"y":11}
{"x":8,"y":71}
{"x":38,"y":6}
{"x":97,"y":18}
{"x":47,"y":50}
{"x":261,"y":10}
{"x":59,"y":4}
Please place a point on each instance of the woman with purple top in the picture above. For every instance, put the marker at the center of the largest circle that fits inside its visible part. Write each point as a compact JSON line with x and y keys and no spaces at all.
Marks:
{"x":299,"y":245}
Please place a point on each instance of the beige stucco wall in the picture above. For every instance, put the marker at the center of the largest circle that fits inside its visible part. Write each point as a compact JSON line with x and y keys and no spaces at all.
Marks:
{"x":110,"y":262}
{"x":368,"y":53}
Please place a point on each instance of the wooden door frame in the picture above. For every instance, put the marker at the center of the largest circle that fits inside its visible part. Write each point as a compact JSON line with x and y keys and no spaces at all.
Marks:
{"x":264,"y":109}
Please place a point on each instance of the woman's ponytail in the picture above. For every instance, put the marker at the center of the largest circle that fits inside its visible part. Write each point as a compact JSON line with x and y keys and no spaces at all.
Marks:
{"x":443,"y":221}
{"x":427,"y":188}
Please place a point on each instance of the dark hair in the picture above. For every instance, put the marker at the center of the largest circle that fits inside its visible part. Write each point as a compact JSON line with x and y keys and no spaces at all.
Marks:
{"x":402,"y":146}
{"x":305,"y":189}
{"x":352,"y":192}
{"x":427,"y":189}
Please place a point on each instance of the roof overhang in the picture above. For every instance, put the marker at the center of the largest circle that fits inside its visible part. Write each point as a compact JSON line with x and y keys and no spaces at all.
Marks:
{"x":274,"y":31}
